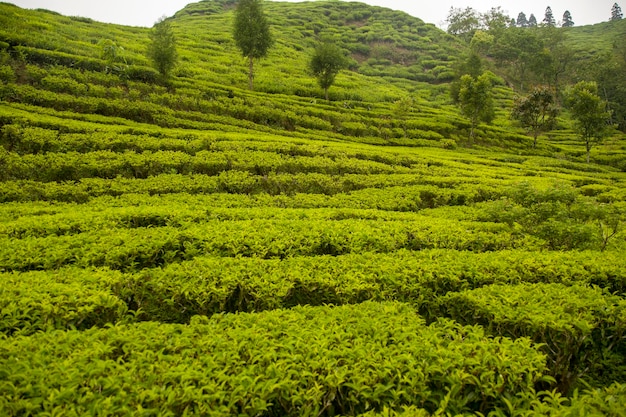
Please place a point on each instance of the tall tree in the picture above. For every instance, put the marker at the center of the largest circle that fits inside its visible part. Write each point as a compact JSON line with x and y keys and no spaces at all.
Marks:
{"x":567,"y":20}
{"x":326,"y":63}
{"x":252,"y":33}
{"x":554,"y":61}
{"x":589,"y":112}
{"x":495,"y":20}
{"x":463,"y":22}
{"x":548,"y":19}
{"x":521,"y":22}
{"x":616,"y":12}
{"x":532,"y":21}
{"x":476,"y":100}
{"x":162,"y":49}
{"x":536,"y":112}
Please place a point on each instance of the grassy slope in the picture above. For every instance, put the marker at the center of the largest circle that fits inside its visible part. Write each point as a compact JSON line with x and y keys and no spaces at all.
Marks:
{"x":120,"y":195}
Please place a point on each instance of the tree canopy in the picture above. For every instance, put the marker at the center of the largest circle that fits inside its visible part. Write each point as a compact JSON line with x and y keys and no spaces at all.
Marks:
{"x":536,"y":112}
{"x":616,"y":12}
{"x":252,"y":33}
{"x":548,"y":19}
{"x":326,"y":63}
{"x":162,"y":49}
{"x":589,"y":112}
{"x":476,"y":100}
{"x":567,"y":20}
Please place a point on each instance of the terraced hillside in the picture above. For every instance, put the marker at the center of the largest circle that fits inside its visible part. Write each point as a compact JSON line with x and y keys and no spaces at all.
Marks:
{"x":195,"y":248}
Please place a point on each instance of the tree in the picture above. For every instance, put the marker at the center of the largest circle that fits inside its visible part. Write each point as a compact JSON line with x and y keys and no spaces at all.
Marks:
{"x":616,"y":12}
{"x":548,"y":19}
{"x":252,"y":33}
{"x":567,"y":20}
{"x":326,"y":63}
{"x":521,"y":20}
{"x":554,"y":61}
{"x":473,"y":66}
{"x":536,"y":112}
{"x":496,"y":20}
{"x":476,"y":101}
{"x":162,"y":49}
{"x":589,"y":112}
{"x":532,"y":21}
{"x":463,"y":22}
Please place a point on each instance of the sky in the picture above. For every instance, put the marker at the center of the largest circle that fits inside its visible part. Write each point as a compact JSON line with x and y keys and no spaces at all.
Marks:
{"x":146,"y":12}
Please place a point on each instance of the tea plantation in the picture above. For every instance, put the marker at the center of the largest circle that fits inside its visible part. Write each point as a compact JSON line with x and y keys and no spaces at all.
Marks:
{"x":190,"y":247}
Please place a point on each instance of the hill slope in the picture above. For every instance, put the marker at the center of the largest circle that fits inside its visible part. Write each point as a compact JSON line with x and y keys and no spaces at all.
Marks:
{"x":195,"y":248}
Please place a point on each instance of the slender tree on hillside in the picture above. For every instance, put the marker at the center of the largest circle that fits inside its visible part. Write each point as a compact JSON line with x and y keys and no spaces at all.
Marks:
{"x":476,"y":100}
{"x":162,"y":49}
{"x":589,"y":112}
{"x":536,"y":112}
{"x":548,"y":19}
{"x":616,"y":12}
{"x":252,"y":33}
{"x":521,"y":22}
{"x":532,"y":21}
{"x":567,"y":20}
{"x":326,"y":63}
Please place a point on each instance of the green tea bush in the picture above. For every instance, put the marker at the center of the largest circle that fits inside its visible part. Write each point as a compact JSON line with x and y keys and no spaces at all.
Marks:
{"x":306,"y":361}
{"x":579,"y":328}
{"x":37,"y":301}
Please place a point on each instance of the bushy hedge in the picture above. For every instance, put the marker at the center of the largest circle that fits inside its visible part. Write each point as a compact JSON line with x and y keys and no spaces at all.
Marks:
{"x":581,"y":329}
{"x":320,"y":361}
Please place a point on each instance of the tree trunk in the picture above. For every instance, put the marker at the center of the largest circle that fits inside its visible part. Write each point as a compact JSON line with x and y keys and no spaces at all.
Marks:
{"x":251,"y":73}
{"x":326,"y":94}
{"x":588,"y":145}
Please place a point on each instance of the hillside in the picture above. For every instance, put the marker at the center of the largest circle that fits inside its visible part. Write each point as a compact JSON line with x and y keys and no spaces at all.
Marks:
{"x":191,"y":247}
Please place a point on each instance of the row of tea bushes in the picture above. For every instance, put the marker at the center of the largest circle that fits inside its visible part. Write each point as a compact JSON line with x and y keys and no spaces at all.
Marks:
{"x":79,"y":297}
{"x":135,"y":249}
{"x":581,"y":329}
{"x":306,"y":361}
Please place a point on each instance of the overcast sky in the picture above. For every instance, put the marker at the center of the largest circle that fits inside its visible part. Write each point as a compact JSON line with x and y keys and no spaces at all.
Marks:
{"x":146,"y":12}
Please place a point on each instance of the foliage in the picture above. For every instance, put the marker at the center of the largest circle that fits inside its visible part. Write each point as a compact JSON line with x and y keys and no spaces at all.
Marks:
{"x":326,"y":63}
{"x":590,"y":113}
{"x":251,"y":31}
{"x":158,"y":241}
{"x":567,"y":20}
{"x":537,"y":111}
{"x":303,"y":361}
{"x":463,"y":22}
{"x":567,"y":322}
{"x":475,"y":100}
{"x":162,"y":49}
{"x":548,"y":19}
{"x":616,"y":12}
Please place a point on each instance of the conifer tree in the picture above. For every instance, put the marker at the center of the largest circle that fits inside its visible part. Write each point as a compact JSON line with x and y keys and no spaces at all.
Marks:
{"x":616,"y":12}
{"x":548,"y":19}
{"x":252,"y":33}
{"x":532,"y":21}
{"x":521,"y":20}
{"x":567,"y":20}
